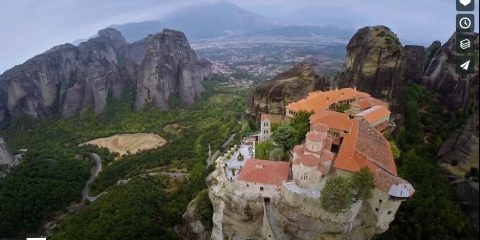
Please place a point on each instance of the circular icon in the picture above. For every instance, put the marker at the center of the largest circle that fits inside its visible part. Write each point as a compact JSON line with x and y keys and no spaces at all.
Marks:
{"x":465,"y":23}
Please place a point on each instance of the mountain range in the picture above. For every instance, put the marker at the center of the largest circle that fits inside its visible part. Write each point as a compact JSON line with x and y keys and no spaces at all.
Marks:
{"x":221,"y":19}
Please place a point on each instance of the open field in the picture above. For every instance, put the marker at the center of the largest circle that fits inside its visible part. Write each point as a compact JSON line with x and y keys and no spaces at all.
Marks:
{"x":124,"y":144}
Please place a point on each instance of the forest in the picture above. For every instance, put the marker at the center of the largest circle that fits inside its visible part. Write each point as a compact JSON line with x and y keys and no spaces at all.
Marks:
{"x":432,"y":212}
{"x":55,"y":169}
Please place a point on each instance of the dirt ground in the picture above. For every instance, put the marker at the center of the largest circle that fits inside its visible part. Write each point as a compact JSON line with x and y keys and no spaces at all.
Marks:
{"x":132,"y":143}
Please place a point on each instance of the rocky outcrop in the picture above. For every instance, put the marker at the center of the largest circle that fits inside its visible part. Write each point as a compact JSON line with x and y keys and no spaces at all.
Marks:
{"x":375,"y":64}
{"x":415,"y":57}
{"x":240,"y":214}
{"x":170,"y":67}
{"x":457,"y":93}
{"x":66,"y":80}
{"x":292,"y":85}
{"x":191,"y":227}
{"x":6,"y":158}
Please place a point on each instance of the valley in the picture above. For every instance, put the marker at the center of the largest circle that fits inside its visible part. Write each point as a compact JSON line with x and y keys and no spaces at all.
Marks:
{"x":208,"y":123}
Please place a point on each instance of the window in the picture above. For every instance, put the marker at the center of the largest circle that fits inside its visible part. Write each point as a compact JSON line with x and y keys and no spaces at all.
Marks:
{"x":389,"y":212}
{"x":247,"y":185}
{"x":261,"y":188}
{"x":376,"y":209}
{"x":380,"y":200}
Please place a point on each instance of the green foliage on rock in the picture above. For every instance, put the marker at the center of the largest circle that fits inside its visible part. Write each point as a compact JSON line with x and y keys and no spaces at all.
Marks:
{"x":395,"y":150}
{"x":362,"y":181}
{"x":204,"y":209}
{"x":337,"y":195}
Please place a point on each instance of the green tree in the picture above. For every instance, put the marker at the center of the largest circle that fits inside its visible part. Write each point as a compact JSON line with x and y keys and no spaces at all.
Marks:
{"x":337,"y":195}
{"x":263,"y":149}
{"x":277,"y":154}
{"x":395,"y":150}
{"x":363,"y":183}
{"x":284,"y":137}
{"x":301,"y":124}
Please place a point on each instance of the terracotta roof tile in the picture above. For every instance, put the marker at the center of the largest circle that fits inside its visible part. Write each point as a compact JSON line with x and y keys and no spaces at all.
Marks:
{"x":316,"y":101}
{"x":320,"y":127}
{"x":393,"y":185}
{"x":365,"y":146}
{"x":264,"y":171}
{"x":316,"y":136}
{"x":265,"y":117}
{"x":334,"y":120}
{"x":382,"y":126}
{"x":374,"y":114}
{"x":376,"y":148}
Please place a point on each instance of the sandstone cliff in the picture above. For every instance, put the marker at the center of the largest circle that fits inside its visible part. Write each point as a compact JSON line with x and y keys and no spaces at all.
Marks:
{"x":375,"y":63}
{"x":415,"y":57}
{"x":292,"y":85}
{"x":6,"y":158}
{"x":457,"y":93}
{"x":191,"y":226}
{"x":68,"y":80}
{"x":243,"y":215}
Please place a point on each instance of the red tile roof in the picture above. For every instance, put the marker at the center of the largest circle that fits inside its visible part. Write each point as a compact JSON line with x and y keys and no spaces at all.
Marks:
{"x":316,"y":101}
{"x":316,"y":136}
{"x":320,"y":127}
{"x":265,"y":117}
{"x":393,"y":185}
{"x":264,"y":171}
{"x":365,"y":146}
{"x":382,"y":126}
{"x":373,"y":145}
{"x":334,"y":120}
{"x":363,"y":104}
{"x":308,"y":160}
{"x":374,"y":114}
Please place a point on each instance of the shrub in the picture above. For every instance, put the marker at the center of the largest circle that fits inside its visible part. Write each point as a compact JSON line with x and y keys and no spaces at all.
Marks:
{"x":363,"y":183}
{"x":277,"y":154}
{"x":337,"y":195}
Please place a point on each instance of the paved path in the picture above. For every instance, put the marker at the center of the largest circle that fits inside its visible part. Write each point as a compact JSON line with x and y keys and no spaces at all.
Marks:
{"x":94,"y":173}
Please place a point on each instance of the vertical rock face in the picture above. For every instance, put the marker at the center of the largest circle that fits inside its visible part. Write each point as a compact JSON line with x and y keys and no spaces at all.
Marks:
{"x":375,"y":64}
{"x":6,"y":158}
{"x":415,"y":57}
{"x":289,"y":86}
{"x":170,"y":67}
{"x":457,"y":93}
{"x":68,"y":79}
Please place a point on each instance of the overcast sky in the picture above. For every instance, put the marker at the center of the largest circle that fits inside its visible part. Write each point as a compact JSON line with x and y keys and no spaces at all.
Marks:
{"x":30,"y":27}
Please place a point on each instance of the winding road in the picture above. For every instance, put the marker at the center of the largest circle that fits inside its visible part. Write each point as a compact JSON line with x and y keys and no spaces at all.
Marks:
{"x":94,"y":173}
